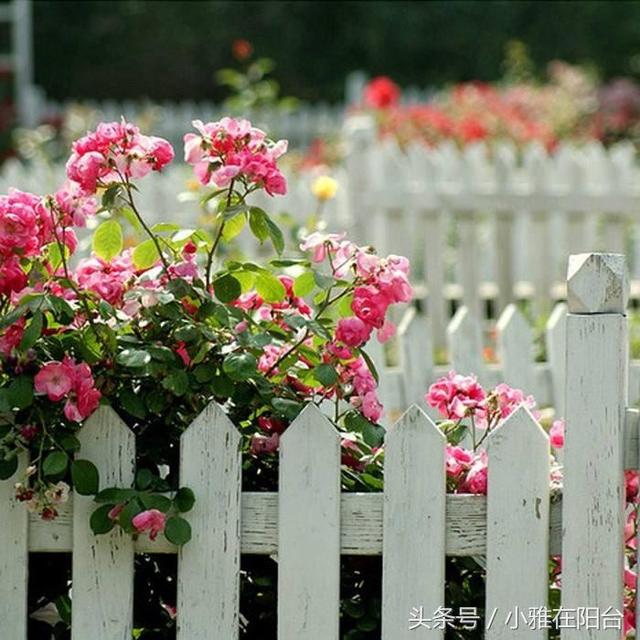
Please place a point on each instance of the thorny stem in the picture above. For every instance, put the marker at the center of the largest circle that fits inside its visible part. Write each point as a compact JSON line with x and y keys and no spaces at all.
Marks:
{"x":217,"y":239}
{"x":154,"y":239}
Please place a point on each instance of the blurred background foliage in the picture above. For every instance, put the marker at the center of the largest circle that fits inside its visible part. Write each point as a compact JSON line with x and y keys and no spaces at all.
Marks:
{"x":172,"y":49}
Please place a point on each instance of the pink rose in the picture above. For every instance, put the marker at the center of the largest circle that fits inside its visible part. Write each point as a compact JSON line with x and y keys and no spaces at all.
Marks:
{"x":456,"y":396}
{"x":152,"y":521}
{"x":369,"y":306}
{"x":262,"y":444}
{"x":54,"y":379}
{"x":556,"y":434}
{"x":352,"y":331}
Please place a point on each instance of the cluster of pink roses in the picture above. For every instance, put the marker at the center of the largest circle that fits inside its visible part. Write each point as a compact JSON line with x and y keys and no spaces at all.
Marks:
{"x":115,"y":151}
{"x":72,"y":382}
{"x":456,"y":397}
{"x":381,"y":282}
{"x":232,"y":149}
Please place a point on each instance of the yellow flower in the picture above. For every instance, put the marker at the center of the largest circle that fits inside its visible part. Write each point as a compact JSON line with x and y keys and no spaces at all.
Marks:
{"x":324,"y":188}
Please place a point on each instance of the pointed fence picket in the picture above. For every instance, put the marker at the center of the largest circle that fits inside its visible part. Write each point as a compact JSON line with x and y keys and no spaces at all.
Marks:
{"x":14,"y":560}
{"x":414,"y":495}
{"x":517,"y":525}
{"x":103,"y":565}
{"x":309,"y":530}
{"x":209,"y":570}
{"x":308,"y":523}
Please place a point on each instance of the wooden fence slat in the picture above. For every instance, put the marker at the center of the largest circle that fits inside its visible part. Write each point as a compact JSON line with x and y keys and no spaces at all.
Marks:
{"x":309,"y":530}
{"x":593,"y":493}
{"x":413,"y":525}
{"x":517,"y":526}
{"x":14,"y":560}
{"x":465,"y":344}
{"x":416,"y":356}
{"x":103,"y":565}
{"x":556,"y":344}
{"x":515,"y":349}
{"x":209,"y":565}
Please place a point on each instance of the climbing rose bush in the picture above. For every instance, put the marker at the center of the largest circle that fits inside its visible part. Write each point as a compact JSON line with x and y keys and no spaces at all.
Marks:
{"x":471,"y":413}
{"x":160,"y":328}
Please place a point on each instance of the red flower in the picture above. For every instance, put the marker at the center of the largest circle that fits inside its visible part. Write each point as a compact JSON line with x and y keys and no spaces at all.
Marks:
{"x":381,"y":93}
{"x":241,"y":49}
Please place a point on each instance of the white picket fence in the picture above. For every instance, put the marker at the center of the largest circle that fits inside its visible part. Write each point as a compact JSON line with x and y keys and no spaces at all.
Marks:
{"x":172,"y":119}
{"x":309,"y":523}
{"x":493,"y":222}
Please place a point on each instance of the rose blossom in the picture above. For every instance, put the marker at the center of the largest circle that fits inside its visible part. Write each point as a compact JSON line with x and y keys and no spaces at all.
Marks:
{"x":151,"y":520}
{"x":352,"y":331}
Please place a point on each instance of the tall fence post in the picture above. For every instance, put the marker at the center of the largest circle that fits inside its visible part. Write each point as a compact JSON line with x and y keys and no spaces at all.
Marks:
{"x":593,"y":495}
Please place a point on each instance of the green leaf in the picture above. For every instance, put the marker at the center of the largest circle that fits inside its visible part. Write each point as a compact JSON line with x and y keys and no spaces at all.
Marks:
{"x":20,"y":393}
{"x":107,"y":240}
{"x":110,"y":195}
{"x":133,"y":403}
{"x":326,"y":374}
{"x":130,"y":511}
{"x":233,"y":227}
{"x":227,"y":288}
{"x":85,"y":476}
{"x":145,"y":255}
{"x":258,"y":224}
{"x":185,"y":499}
{"x":32,"y":332}
{"x":370,"y":364}
{"x":177,"y":382}
{"x":156,"y":501}
{"x":277,"y":239}
{"x":8,"y":467}
{"x":269,"y":287}
{"x":55,"y":464}
{"x":264,"y":227}
{"x":70,"y":443}
{"x":240,"y":366}
{"x":177,"y":530}
{"x":115,"y":495}
{"x":288,"y":408}
{"x":133,"y":358}
{"x":100,"y":522}
{"x":373,"y":434}
{"x":61,"y":309}
{"x":144,"y":479}
{"x":304,"y":284}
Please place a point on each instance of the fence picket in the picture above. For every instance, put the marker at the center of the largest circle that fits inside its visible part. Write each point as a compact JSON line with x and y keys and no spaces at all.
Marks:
{"x":103,"y":565}
{"x":593,"y":492}
{"x":309,"y":530}
{"x":413,"y":525}
{"x":556,"y":345}
{"x":515,"y":349}
{"x":416,"y":355}
{"x":14,"y":560}
{"x":464,"y":339}
{"x":517,"y":525}
{"x":209,"y":566}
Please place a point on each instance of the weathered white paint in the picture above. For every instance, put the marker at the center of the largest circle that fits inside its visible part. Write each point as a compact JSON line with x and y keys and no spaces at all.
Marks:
{"x":416,"y":357}
{"x":464,"y":338}
{"x":14,"y":559}
{"x":593,"y":494}
{"x":515,"y":349}
{"x":556,"y":344}
{"x":413,"y":524}
{"x":309,"y":529}
{"x":209,"y":566}
{"x":517,"y":524}
{"x":103,"y":565}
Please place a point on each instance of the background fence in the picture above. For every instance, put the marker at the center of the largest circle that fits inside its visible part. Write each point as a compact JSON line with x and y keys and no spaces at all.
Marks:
{"x":308,"y":524}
